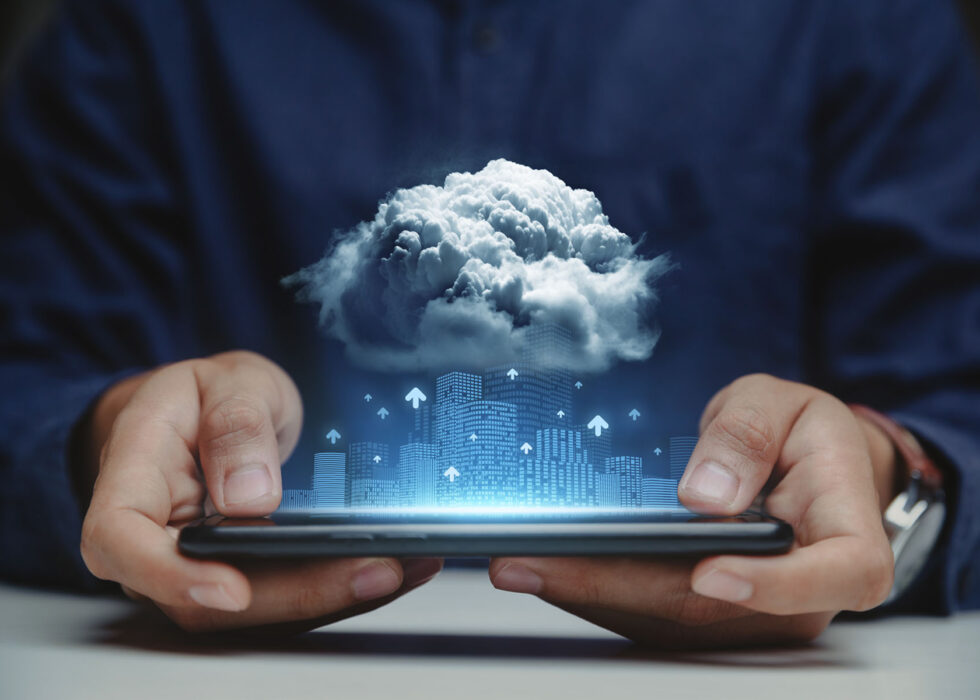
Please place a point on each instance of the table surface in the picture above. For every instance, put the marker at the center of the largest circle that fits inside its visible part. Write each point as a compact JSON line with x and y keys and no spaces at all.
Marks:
{"x":458,"y":637}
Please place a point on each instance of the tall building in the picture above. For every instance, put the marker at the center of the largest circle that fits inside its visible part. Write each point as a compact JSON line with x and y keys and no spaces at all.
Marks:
{"x":630,"y":472}
{"x":681,"y":449}
{"x":598,"y":448}
{"x":452,"y":390}
{"x":421,"y":424}
{"x":556,"y":473}
{"x":607,"y":490}
{"x":486,"y":455}
{"x":538,"y":384}
{"x":659,"y":493}
{"x":418,"y":474}
{"x":329,"y":479}
{"x":297,"y":500}
{"x":368,"y":462}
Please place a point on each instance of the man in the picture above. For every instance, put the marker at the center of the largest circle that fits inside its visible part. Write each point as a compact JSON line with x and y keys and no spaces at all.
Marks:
{"x":812,"y":169}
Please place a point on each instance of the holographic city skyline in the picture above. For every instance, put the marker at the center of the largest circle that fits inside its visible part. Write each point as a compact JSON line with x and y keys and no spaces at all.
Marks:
{"x":508,"y":437}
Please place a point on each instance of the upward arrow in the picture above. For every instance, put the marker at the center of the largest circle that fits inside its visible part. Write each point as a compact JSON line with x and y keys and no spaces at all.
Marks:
{"x":383,"y":412}
{"x":560,"y":414}
{"x":377,"y":458}
{"x":368,"y":397}
{"x":598,"y":424}
{"x":657,"y":451}
{"x":634,"y":414}
{"x":525,"y":448}
{"x":473,"y":437}
{"x":333,"y":436}
{"x":512,"y":373}
{"x":578,"y":385}
{"x":452,"y":473}
{"x":415,"y":395}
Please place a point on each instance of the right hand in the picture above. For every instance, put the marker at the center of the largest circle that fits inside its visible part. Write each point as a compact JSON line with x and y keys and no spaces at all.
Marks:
{"x":159,"y":443}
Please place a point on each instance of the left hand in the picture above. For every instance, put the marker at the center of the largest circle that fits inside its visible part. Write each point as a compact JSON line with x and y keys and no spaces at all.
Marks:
{"x":833,"y":476}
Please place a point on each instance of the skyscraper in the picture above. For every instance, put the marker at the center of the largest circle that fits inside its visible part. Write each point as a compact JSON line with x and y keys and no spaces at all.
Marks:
{"x":538,"y":385}
{"x":421,"y":431}
{"x":368,"y":464}
{"x":418,"y":474}
{"x":659,"y":493}
{"x":681,"y":449}
{"x":297,"y":500}
{"x":329,"y":479}
{"x":630,"y":472}
{"x":486,"y":454}
{"x":452,"y":390}
{"x":556,"y":472}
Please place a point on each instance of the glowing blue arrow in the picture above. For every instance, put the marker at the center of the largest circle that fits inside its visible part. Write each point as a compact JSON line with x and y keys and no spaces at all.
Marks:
{"x":368,"y":397}
{"x":415,"y":395}
{"x":452,"y":473}
{"x":512,"y":373}
{"x":525,"y":448}
{"x":333,"y":436}
{"x":657,"y":451}
{"x":598,"y":424}
{"x":634,"y":414}
{"x":473,"y":437}
{"x":578,"y":385}
{"x":561,"y":414}
{"x":383,"y":412}
{"x":377,"y":458}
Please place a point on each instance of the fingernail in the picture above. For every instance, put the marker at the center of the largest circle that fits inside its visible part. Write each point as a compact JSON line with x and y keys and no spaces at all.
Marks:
{"x":517,"y":579}
{"x":418,"y":571}
{"x":375,"y":580}
{"x":711,"y":481}
{"x":247,"y":484}
{"x":214,"y":595}
{"x":723,"y":586}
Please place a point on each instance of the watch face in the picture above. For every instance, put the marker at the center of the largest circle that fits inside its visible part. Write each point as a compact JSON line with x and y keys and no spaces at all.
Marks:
{"x":916,"y":545}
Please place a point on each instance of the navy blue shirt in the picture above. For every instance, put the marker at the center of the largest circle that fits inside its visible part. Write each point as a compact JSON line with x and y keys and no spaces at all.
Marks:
{"x":812,"y":168}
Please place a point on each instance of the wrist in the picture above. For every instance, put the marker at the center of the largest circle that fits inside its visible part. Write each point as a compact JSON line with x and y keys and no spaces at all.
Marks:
{"x":889,"y":470}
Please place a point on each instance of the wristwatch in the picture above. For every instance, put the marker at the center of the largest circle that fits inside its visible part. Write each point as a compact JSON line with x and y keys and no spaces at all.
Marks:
{"x":915,"y":518}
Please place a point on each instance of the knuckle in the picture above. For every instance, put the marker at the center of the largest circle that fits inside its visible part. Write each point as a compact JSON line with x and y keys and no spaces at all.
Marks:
{"x":879,"y":576}
{"x":747,"y":430}
{"x":90,"y":547}
{"x":234,"y":421}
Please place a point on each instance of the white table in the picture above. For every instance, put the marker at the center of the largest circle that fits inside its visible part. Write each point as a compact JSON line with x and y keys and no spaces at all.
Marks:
{"x":457,"y":637}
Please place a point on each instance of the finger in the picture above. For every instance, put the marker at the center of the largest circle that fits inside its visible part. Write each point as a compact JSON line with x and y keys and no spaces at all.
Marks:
{"x":292,"y":592}
{"x":126,"y":546}
{"x":641,"y":587}
{"x":148,"y":474}
{"x":250,"y":420}
{"x":828,"y":495}
{"x":744,"y":429}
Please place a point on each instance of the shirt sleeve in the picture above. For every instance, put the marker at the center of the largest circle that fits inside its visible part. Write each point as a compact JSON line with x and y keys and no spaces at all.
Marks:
{"x":90,"y":268}
{"x":895,"y":279}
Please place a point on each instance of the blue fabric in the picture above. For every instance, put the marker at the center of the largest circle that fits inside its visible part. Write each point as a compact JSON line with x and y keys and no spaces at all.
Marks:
{"x":812,"y":168}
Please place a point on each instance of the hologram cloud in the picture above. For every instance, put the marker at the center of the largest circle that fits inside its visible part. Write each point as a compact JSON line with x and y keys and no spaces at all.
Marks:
{"x":455,"y":276}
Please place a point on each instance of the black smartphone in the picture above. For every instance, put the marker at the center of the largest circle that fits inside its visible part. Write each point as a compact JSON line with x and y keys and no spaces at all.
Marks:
{"x":448,"y":534}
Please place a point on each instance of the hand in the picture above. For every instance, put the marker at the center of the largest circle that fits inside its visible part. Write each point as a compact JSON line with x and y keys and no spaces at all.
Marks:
{"x":831,"y":477}
{"x":160,"y":443}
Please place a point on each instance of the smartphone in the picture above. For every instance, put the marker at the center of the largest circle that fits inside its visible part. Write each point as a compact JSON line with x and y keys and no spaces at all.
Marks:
{"x":449,"y":534}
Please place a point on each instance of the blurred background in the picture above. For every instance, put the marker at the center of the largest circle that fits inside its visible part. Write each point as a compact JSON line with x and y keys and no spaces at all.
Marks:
{"x":21,"y":19}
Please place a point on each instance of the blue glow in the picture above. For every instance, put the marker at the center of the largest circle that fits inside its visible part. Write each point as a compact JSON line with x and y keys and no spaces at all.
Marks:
{"x":508,"y":440}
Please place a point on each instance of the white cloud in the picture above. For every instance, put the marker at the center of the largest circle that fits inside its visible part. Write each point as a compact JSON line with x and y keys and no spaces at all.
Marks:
{"x":453,"y":276}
